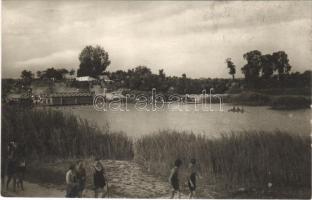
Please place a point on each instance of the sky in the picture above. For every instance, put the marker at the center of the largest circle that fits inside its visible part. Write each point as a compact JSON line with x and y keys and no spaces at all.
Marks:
{"x":193,"y":37}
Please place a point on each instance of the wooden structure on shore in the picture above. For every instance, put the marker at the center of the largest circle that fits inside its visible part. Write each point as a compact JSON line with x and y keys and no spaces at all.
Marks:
{"x":71,"y":98}
{"x":19,"y":99}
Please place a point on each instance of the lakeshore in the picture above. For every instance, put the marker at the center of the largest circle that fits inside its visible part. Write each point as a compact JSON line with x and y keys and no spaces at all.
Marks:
{"x":226,"y":161}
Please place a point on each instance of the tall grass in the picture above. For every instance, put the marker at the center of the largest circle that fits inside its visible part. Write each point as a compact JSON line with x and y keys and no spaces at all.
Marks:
{"x":237,"y":159}
{"x":50,"y":134}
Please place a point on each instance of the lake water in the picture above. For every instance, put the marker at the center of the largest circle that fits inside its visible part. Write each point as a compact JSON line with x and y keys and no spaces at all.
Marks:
{"x":137,"y":123}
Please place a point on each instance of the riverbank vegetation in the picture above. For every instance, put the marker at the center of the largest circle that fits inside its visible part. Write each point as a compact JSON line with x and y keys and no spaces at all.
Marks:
{"x":248,"y":160}
{"x":233,"y":161}
{"x":282,"y":102}
{"x":47,"y":134}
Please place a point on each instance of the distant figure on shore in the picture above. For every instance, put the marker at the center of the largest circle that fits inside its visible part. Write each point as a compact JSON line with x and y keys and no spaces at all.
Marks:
{"x":20,"y":173}
{"x":71,"y":182}
{"x":81,"y":178}
{"x":12,"y":165}
{"x":174,"y":178}
{"x":99,"y":180}
{"x":21,"y":166}
{"x":192,"y":178}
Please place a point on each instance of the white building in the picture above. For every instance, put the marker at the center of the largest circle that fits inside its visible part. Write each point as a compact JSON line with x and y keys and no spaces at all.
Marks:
{"x":85,"y":79}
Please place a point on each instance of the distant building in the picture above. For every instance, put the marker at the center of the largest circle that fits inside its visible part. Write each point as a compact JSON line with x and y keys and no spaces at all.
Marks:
{"x":19,"y":99}
{"x":69,"y":77}
{"x":105,"y":79}
{"x":85,"y":79}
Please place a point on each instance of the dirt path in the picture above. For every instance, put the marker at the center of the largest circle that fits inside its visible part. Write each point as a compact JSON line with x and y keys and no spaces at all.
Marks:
{"x":126,"y":179}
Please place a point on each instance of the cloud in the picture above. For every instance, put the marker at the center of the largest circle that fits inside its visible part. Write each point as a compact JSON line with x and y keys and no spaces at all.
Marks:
{"x":58,"y":59}
{"x":191,"y":37}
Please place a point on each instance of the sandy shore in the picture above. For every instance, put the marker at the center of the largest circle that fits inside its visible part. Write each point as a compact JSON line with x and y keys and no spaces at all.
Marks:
{"x":126,"y":179}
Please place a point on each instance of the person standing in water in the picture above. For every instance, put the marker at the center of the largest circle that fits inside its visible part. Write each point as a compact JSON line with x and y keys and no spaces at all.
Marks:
{"x":192,"y":178}
{"x":174,"y":178}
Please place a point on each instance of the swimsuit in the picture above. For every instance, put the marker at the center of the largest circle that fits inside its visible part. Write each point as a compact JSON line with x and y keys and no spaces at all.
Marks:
{"x":175,"y":180}
{"x":193,"y":179}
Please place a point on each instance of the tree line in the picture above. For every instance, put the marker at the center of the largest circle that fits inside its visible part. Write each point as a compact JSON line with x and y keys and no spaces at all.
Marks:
{"x":269,"y":70}
{"x":260,"y":71}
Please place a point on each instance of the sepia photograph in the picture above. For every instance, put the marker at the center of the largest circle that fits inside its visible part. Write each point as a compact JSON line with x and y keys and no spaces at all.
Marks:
{"x":156,"y":99}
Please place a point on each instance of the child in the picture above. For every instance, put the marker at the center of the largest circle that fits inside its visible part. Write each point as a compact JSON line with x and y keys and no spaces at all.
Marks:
{"x":174,"y":178}
{"x":20,"y":171}
{"x":192,"y":178}
{"x":71,"y":182}
{"x":81,"y":178}
{"x":99,"y":180}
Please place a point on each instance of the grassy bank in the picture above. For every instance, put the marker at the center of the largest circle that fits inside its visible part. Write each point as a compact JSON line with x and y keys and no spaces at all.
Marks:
{"x":274,"y":101}
{"x":249,"y":160}
{"x":53,"y":139}
{"x":48,"y":134}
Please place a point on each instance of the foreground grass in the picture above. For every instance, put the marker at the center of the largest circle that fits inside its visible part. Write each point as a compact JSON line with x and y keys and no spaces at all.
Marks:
{"x":49,"y":134}
{"x":246,"y":159}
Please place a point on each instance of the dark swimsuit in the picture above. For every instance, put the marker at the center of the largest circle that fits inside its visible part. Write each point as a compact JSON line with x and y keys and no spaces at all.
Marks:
{"x":193,"y":179}
{"x":99,"y":179}
{"x":175,"y":180}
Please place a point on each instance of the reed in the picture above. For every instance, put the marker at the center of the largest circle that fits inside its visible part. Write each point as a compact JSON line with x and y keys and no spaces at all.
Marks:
{"x":50,"y":134}
{"x":247,"y":159}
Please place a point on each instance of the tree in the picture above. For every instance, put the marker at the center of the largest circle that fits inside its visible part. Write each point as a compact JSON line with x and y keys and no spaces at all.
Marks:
{"x":281,"y":63}
{"x":72,"y":72}
{"x":62,"y":72}
{"x":267,"y":66}
{"x":93,"y":61}
{"x":161,"y":74}
{"x":39,"y":74}
{"x":142,"y":78}
{"x":252,"y":69}
{"x":27,"y":77}
{"x":231,"y":66}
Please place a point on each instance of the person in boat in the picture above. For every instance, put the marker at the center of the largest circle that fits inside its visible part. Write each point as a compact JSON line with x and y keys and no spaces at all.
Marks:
{"x":99,"y":180}
{"x":242,"y":110}
{"x":238,"y":109}
{"x":174,"y":178}
{"x":231,"y":110}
